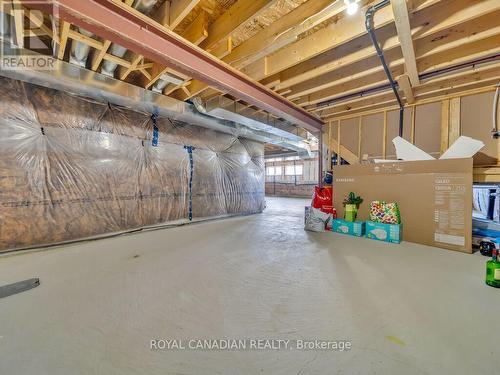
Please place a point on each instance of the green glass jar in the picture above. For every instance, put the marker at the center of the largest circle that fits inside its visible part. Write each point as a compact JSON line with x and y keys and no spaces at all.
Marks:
{"x":493,"y":270}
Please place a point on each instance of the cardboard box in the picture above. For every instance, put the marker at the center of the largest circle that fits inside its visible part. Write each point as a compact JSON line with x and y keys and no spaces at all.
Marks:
{"x":383,"y":232}
{"x":356,"y":228}
{"x":434,"y":197}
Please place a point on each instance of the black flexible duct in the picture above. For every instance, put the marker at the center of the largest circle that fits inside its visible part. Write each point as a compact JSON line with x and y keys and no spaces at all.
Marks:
{"x":371,"y":31}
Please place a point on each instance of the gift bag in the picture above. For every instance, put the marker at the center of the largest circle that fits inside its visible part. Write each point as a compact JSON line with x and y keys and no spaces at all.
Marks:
{"x":322,"y":198}
{"x":316,"y":220}
{"x":383,"y":212}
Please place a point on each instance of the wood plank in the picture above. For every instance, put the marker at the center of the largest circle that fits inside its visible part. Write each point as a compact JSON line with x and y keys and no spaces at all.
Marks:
{"x":178,"y":10}
{"x":338,"y":143}
{"x":343,"y":31}
{"x":413,"y":118}
{"x":340,"y":82}
{"x":233,"y":18}
{"x":123,"y":72}
{"x":445,"y":125}
{"x":94,"y":43}
{"x":197,"y":31}
{"x":98,"y":55}
{"x":402,"y":21}
{"x":446,"y":19}
{"x":18,"y":14}
{"x":453,"y":82}
{"x":384,"y":137}
{"x":469,"y":85}
{"x":405,"y":85}
{"x":455,"y":128}
{"x":63,"y":38}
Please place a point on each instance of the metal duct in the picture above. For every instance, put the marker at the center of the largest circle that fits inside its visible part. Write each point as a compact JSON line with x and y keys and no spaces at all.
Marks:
{"x":79,"y":50}
{"x":229,"y":109}
{"x":4,"y":26}
{"x":82,"y":82}
{"x":109,"y":67}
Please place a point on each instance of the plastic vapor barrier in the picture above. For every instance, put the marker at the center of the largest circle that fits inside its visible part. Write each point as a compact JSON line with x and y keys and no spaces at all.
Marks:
{"x":72,"y":168}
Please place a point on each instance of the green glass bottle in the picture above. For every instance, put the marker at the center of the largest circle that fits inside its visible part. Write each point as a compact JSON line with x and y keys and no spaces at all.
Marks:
{"x":493,"y":270}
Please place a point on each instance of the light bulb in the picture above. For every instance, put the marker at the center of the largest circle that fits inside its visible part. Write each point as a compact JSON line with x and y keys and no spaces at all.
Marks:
{"x":352,"y":7}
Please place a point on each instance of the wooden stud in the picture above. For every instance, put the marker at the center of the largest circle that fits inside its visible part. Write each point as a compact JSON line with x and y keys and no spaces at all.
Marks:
{"x":360,"y":130}
{"x":454,"y":120}
{"x":98,"y":55}
{"x":413,"y":117}
{"x":445,"y":125}
{"x":384,"y":137}
{"x":338,"y":143}
{"x":65,"y":29}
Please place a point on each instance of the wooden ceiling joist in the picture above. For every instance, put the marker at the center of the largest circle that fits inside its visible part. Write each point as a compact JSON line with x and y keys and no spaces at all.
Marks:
{"x":402,"y":21}
{"x":313,"y":53}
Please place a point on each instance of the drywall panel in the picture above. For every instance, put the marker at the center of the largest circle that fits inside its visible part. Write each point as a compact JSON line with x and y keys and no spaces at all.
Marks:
{"x":476,"y":122}
{"x":393,"y":129}
{"x":428,"y":128}
{"x":372,"y":135}
{"x":349,"y":134}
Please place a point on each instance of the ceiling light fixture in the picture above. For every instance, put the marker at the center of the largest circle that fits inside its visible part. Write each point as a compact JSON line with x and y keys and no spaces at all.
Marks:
{"x":352,"y":6}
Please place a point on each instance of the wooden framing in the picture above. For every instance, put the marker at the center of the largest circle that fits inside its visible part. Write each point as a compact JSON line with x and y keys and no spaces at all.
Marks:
{"x":402,"y":21}
{"x":317,"y":57}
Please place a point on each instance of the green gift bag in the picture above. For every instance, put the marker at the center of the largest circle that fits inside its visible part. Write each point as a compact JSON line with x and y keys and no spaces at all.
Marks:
{"x":351,"y":211}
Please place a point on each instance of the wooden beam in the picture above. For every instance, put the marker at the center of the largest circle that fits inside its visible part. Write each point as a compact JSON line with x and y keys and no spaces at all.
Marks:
{"x":455,"y":80}
{"x":482,"y":80}
{"x":197,"y":31}
{"x":98,"y":55}
{"x":430,"y":21}
{"x":63,"y":38}
{"x":405,"y":85}
{"x":338,"y":143}
{"x":123,"y":72}
{"x":18,"y":14}
{"x":384,"y":137}
{"x":278,"y":34}
{"x":284,"y":30}
{"x":233,"y":18}
{"x":455,"y":128}
{"x":178,"y":10}
{"x":370,"y":74}
{"x":360,"y":130}
{"x":413,"y":122}
{"x":445,"y":125}
{"x":343,"y":31}
{"x":402,"y":21}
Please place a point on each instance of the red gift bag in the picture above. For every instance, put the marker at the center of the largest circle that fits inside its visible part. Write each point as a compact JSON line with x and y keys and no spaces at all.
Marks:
{"x":323,"y":199}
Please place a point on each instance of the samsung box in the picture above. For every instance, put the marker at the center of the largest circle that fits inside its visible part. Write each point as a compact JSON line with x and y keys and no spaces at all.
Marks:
{"x":434,"y":197}
{"x":356,"y":228}
{"x":383,"y":232}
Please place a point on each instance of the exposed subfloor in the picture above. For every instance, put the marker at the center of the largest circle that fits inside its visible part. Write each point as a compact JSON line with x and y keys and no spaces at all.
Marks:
{"x":408,"y":309}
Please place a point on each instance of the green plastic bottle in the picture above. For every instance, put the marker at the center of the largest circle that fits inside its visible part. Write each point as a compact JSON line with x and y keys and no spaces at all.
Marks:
{"x":493,"y":270}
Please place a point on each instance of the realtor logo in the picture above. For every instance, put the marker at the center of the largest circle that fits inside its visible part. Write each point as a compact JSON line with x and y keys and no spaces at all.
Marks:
{"x":28,"y":31}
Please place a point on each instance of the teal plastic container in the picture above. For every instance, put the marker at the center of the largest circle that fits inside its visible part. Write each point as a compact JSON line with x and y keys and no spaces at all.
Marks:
{"x":383,"y":232}
{"x":353,"y":228}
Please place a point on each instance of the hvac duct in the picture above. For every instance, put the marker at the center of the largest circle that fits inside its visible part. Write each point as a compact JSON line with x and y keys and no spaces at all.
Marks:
{"x":4,"y":26}
{"x":80,"y":51}
{"x":108,"y":67}
{"x":82,"y":82}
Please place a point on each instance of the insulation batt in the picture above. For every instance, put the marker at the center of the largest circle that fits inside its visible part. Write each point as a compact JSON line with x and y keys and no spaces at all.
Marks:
{"x":72,"y":168}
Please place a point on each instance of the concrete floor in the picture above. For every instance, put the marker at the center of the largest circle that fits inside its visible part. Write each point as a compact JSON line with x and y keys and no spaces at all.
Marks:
{"x":407,"y":309}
